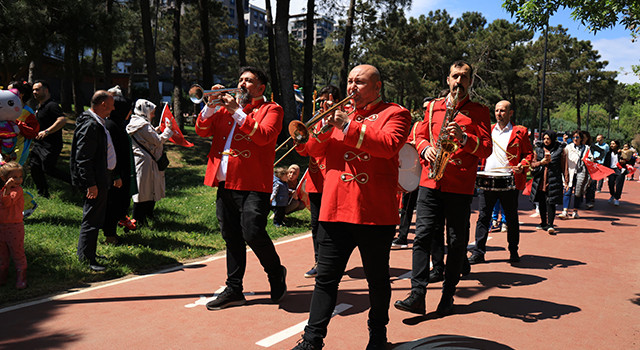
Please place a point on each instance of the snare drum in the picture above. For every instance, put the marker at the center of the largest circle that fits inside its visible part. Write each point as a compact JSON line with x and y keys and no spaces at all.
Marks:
{"x":495,"y":181}
{"x":410,"y":168}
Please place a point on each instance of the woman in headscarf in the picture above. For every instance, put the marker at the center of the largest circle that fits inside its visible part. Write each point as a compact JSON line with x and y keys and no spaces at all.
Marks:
{"x":549,"y":169}
{"x":147,"y":147}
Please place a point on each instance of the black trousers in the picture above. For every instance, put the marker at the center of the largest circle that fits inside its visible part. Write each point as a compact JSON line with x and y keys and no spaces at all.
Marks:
{"x":117,"y":208}
{"x":93,"y":216}
{"x":242,"y":216}
{"x":314,"y":207}
{"x":409,"y":201}
{"x":336,"y":241}
{"x":43,"y":161}
{"x":487,"y":200}
{"x":547,"y":209}
{"x":434,"y":208}
{"x":616,"y":183}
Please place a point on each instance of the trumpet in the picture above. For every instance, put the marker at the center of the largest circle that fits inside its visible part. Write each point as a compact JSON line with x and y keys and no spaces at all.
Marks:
{"x":299,"y":131}
{"x":197,"y":94}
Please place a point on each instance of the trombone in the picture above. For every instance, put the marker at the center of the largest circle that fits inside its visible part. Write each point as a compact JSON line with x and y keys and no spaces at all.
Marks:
{"x":197,"y":94}
{"x":299,"y":131}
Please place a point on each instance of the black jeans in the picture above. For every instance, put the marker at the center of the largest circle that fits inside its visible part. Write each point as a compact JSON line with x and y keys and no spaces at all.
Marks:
{"x":487,"y":200}
{"x":42,"y":162}
{"x":242,"y":216}
{"x":336,"y":241}
{"x":434,"y":209}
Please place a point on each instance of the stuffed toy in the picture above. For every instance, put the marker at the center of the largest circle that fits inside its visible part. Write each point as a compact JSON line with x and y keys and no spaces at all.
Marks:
{"x":10,"y":110}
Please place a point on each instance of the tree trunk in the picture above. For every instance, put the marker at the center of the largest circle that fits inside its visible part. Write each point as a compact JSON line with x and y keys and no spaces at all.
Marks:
{"x":207,"y":76}
{"x":308,"y":61}
{"x":177,"y":68}
{"x":346,"y":51}
{"x":578,"y":103}
{"x":66,"y":96}
{"x":285,"y":72}
{"x":273,"y":67}
{"x":107,"y":47}
{"x":242,"y":46}
{"x":149,"y":53}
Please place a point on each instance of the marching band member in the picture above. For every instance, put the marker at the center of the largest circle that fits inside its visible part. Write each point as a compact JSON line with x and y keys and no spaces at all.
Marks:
{"x":447,"y":199}
{"x":317,"y":166}
{"x":240,"y":164}
{"x":361,"y":180}
{"x":512,"y":153}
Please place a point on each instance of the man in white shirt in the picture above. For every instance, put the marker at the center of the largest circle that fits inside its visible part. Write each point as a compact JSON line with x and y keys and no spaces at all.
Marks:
{"x":511,"y":157}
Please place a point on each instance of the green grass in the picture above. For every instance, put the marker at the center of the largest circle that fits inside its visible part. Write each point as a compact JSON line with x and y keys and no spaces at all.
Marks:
{"x":186,"y":228}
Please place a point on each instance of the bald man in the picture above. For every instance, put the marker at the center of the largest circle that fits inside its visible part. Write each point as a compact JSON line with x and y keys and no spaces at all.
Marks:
{"x":512,"y":154}
{"x":356,"y":211}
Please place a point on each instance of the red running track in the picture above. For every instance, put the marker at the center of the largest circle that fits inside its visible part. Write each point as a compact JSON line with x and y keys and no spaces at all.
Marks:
{"x":577,"y":290}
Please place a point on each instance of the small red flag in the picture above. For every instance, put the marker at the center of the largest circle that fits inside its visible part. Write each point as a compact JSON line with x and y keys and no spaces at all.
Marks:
{"x":301,"y":190}
{"x":527,"y":188}
{"x":177,"y":137}
{"x":596,"y":171}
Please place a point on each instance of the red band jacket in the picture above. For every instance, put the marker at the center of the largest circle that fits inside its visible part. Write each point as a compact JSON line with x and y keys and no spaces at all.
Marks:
{"x":361,"y":179}
{"x":519,"y":151}
{"x":252,"y":151}
{"x":460,"y":172}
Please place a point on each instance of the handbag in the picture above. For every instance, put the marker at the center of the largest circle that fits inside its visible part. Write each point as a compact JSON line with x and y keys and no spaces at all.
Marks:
{"x":162,"y":161}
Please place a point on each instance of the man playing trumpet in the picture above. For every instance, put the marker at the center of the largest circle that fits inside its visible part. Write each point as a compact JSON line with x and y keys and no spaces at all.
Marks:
{"x":240,"y":163}
{"x":360,"y":182}
{"x":449,"y":198}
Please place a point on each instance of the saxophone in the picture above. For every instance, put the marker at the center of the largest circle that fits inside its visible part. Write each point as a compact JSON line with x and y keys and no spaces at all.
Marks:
{"x":445,"y":147}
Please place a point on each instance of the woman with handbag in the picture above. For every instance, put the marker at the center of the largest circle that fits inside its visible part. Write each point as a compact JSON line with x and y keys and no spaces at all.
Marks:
{"x":150,"y":160}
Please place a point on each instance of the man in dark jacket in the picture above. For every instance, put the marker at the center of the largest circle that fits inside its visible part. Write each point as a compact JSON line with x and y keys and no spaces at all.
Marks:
{"x":92,"y":160}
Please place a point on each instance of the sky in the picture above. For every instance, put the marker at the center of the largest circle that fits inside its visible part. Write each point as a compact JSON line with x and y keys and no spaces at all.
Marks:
{"x":614,"y":45}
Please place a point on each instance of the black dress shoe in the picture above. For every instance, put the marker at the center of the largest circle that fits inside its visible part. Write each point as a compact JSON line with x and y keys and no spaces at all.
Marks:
{"x":436,"y":276}
{"x":476,"y":259}
{"x":278,"y":285}
{"x":414,"y":303}
{"x":514,"y":257}
{"x":94,"y":266}
{"x":445,"y":307}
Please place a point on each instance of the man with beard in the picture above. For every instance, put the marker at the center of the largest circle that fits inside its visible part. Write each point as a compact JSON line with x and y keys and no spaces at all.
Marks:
{"x":240,"y":164}
{"x":447,"y":199}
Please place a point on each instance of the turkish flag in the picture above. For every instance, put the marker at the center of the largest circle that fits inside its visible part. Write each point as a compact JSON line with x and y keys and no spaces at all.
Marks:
{"x":301,"y":190}
{"x":177,"y":137}
{"x":596,"y":171}
{"x":527,"y":188}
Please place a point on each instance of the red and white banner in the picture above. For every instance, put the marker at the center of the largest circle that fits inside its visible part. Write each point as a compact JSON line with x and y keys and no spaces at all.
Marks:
{"x":177,"y":137}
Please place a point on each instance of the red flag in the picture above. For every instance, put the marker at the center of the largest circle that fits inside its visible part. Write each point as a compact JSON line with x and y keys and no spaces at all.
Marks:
{"x":596,"y":171}
{"x":527,"y":188}
{"x":177,"y":137}
{"x":301,"y":190}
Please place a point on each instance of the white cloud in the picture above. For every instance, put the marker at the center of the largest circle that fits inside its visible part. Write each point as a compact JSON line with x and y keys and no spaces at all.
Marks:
{"x":621,"y":54}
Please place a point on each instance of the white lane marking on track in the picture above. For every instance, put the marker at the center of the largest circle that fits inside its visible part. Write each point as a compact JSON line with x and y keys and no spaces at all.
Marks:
{"x":293,"y":330}
{"x":171,"y":269}
{"x":204,"y":300}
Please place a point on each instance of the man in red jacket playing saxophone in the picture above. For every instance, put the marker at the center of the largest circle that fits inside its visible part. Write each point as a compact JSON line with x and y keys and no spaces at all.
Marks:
{"x":449,"y":198}
{"x":240,"y":164}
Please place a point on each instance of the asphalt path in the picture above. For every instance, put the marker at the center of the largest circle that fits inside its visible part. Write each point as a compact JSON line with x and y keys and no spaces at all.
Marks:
{"x":579,"y":289}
